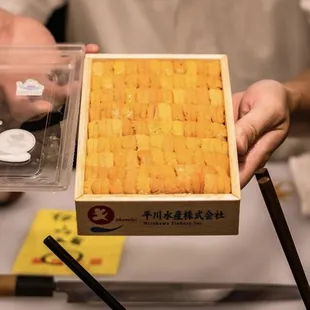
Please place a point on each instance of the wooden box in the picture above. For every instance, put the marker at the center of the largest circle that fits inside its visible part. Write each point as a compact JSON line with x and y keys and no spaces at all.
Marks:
{"x":156,"y":147}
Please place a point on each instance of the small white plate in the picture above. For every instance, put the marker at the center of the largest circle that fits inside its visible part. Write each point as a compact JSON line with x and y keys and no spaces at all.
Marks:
{"x":16,"y":141}
{"x":15,"y":158}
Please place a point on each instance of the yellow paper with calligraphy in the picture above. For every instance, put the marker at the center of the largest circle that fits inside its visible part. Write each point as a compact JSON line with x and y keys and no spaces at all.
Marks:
{"x":100,"y":256}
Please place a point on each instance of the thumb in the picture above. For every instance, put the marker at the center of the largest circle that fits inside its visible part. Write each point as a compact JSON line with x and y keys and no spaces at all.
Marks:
{"x":250,"y":128}
{"x":237,"y":99}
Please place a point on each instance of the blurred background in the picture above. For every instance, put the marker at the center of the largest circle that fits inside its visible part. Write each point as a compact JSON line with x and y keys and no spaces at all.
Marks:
{"x":57,"y":24}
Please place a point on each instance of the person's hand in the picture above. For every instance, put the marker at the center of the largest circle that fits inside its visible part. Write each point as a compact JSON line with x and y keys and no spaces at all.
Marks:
{"x":15,"y":30}
{"x":262,"y":116}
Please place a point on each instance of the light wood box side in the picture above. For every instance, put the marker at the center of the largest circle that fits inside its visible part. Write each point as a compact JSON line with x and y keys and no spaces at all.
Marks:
{"x":83,"y":129}
{"x":230,"y":125}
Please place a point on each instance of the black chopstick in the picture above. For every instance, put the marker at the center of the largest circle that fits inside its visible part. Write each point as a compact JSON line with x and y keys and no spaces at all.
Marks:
{"x":86,"y":277}
{"x":279,"y":222}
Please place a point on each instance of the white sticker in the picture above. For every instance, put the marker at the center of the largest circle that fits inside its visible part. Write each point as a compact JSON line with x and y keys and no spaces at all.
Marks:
{"x":15,"y":145}
{"x":29,"y":88}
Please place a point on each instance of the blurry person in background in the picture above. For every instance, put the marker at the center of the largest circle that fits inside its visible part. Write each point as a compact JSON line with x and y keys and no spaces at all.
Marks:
{"x":267,"y":43}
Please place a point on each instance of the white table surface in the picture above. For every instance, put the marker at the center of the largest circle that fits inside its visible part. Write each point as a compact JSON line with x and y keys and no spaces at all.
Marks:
{"x":255,"y":256}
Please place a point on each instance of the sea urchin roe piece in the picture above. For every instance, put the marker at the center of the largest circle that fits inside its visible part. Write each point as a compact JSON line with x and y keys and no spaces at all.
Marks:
{"x":166,"y":67}
{"x":227,"y":182}
{"x":154,"y":172}
{"x":191,"y":67}
{"x":197,"y":184}
{"x":164,"y":111}
{"x":156,"y":141}
{"x":167,"y":144}
{"x":218,"y":130}
{"x":156,"y":185}
{"x":120,"y":158}
{"x":140,"y":127}
{"x":216,"y":97}
{"x":214,"y":82}
{"x":129,"y":142}
{"x":214,"y":68}
{"x":91,"y":172}
{"x":170,"y":185}
{"x":170,"y":158}
{"x":131,"y":81}
{"x":87,"y":186}
{"x":207,"y":144}
{"x":131,"y":66}
{"x":157,"y":156}
{"x":143,"y":184}
{"x":143,"y":142}
{"x":103,"y":144}
{"x":180,"y":184}
{"x":130,"y":181}
{"x":155,"y":66}
{"x":144,"y":157}
{"x":119,"y":67}
{"x":217,"y":114}
{"x":223,"y":161}
{"x":177,"y":112}
{"x":101,"y":187}
{"x":166,"y":171}
{"x":92,"y":145}
{"x":179,"y":66}
{"x":198,"y":157}
{"x":189,"y":112}
{"x":179,"y":96}
{"x":131,"y":158}
{"x":115,"y":144}
{"x":93,"y":129}
{"x":179,"y":81}
{"x":116,"y":187}
{"x":177,"y":128}
{"x":116,"y":172}
{"x":210,"y":184}
{"x":192,"y":143}
{"x":106,"y":159}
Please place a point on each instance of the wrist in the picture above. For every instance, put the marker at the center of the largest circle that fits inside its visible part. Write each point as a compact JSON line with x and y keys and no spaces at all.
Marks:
{"x":294,"y":97}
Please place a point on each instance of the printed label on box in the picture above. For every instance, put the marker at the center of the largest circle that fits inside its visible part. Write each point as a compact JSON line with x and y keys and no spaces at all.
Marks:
{"x":102,"y":219}
{"x":102,"y":215}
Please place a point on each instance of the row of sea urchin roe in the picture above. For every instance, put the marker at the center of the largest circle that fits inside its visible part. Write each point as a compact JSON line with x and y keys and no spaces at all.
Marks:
{"x":156,"y":127}
{"x":102,"y":70}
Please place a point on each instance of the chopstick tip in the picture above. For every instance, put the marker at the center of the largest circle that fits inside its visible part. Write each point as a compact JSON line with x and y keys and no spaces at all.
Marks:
{"x":48,"y":239}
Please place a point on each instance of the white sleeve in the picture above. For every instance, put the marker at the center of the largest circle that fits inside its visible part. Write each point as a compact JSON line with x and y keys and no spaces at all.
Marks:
{"x":36,"y":9}
{"x":305,"y":5}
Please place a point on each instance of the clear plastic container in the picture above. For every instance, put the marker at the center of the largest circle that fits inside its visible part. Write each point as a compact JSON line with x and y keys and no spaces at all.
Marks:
{"x":39,"y":106}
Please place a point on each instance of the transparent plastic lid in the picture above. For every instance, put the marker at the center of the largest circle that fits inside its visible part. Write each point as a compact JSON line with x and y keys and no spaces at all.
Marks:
{"x":39,"y":106}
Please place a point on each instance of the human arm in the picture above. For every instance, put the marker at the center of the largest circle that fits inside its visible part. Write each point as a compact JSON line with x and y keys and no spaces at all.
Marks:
{"x":298,"y":89}
{"x":39,"y":10}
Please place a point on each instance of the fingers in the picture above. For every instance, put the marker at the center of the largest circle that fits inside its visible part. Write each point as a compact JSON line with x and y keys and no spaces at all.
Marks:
{"x":24,"y":110}
{"x":259,"y":154}
{"x":236,"y":103}
{"x":92,"y":48}
{"x":250,"y":127}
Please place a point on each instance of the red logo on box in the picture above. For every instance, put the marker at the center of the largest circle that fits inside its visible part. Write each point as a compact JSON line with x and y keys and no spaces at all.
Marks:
{"x":101,"y":215}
